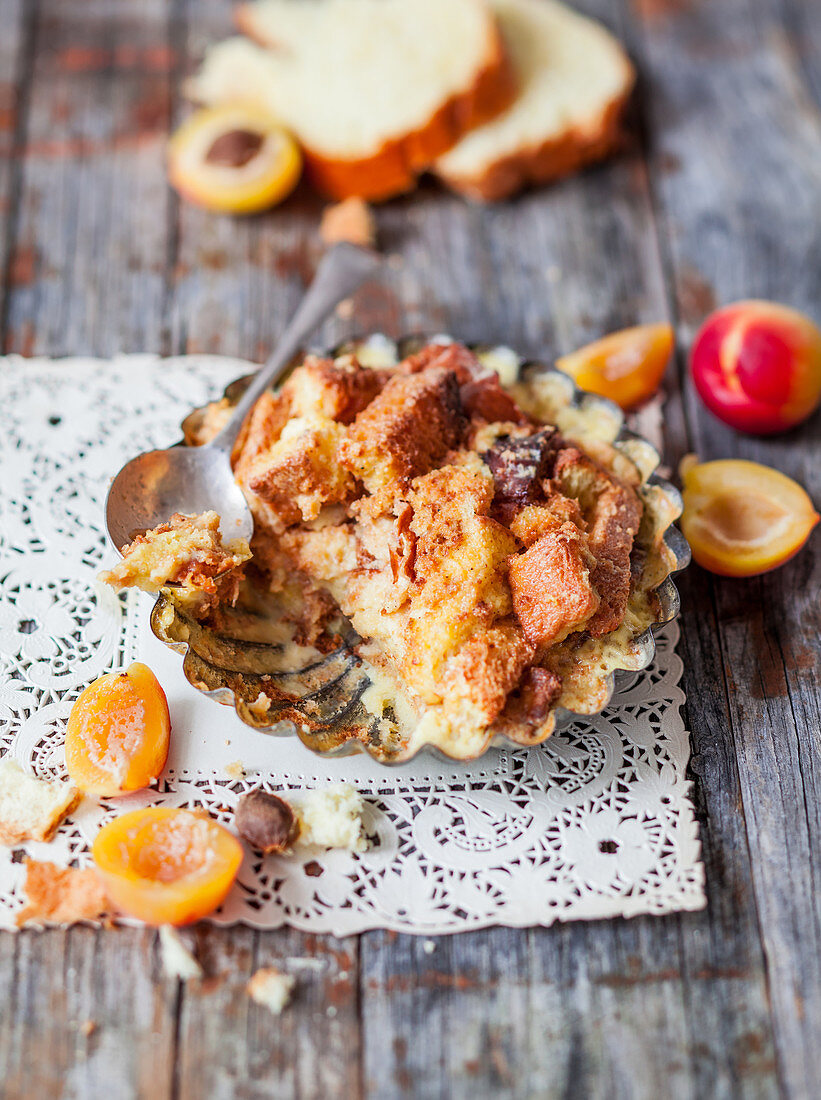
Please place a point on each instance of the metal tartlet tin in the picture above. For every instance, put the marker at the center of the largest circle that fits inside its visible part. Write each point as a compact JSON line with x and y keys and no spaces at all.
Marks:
{"x":321,"y":702}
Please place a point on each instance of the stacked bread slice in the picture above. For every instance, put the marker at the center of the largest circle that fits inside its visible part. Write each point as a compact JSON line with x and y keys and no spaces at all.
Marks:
{"x":374,"y":90}
{"x":489,"y":94}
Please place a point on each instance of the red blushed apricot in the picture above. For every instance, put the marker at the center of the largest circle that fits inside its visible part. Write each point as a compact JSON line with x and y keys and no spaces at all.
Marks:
{"x":626,"y":366}
{"x":757,"y":366}
{"x":166,"y":866}
{"x":117,"y":735}
{"x":742,"y":518}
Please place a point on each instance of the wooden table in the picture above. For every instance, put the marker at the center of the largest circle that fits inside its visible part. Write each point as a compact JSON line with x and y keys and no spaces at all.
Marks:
{"x":716,"y":197}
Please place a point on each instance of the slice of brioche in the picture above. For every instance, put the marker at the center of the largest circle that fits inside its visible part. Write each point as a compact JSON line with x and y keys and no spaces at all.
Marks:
{"x":374,"y":90}
{"x":574,"y":80}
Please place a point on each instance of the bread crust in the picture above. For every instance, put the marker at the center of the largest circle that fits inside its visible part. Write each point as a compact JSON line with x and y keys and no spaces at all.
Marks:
{"x":395,"y":166}
{"x":549,"y":160}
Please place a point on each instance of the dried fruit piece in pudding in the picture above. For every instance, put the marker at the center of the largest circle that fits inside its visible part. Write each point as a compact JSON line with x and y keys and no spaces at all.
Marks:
{"x":233,"y":159}
{"x":626,"y":366}
{"x":757,"y":366}
{"x":742,"y":518}
{"x":118,"y":731}
{"x":166,"y":866}
{"x":187,"y":551}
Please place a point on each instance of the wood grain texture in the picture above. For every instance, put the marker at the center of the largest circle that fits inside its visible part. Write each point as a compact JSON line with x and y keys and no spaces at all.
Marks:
{"x":716,"y":196}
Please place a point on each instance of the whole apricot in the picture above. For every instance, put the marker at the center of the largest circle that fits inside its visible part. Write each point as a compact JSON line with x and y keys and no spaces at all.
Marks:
{"x":165,"y":865}
{"x":742,"y":518}
{"x":757,"y":366}
{"x":118,"y":732}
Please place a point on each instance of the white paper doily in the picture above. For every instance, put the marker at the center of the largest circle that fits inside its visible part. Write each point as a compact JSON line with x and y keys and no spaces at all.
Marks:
{"x":595,"y":823}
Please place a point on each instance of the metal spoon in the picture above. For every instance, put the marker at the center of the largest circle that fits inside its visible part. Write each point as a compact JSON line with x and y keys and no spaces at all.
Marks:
{"x":152,"y":486}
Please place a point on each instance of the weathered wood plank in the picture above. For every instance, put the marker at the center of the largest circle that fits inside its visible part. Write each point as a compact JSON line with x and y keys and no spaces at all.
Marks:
{"x":16,"y":52}
{"x":86,"y":273}
{"x":89,"y":259}
{"x":737,"y":172}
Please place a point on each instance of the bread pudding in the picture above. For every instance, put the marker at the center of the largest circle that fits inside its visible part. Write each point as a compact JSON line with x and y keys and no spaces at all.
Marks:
{"x":494,"y":553}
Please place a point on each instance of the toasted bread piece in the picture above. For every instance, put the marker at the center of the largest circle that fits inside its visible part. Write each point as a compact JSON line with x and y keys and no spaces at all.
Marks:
{"x":373,"y":91}
{"x":62,"y":895}
{"x":612,"y":512}
{"x":30,"y":808}
{"x":405,"y":431}
{"x":300,"y":472}
{"x":261,"y":430}
{"x":550,"y":583}
{"x":487,"y":667}
{"x":336,"y":388}
{"x":574,"y":80}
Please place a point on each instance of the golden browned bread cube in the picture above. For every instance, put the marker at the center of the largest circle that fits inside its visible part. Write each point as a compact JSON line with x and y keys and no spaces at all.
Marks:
{"x":338,"y":389}
{"x":488,"y":667}
{"x":405,"y":431}
{"x":261,"y":430}
{"x":550,"y":583}
{"x":300,"y":472}
{"x":612,"y":511}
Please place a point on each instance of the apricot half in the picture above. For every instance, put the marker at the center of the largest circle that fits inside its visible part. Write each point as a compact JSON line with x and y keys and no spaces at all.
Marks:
{"x":757,"y":366}
{"x":626,"y":366}
{"x":165,"y":865}
{"x":234,"y":159}
{"x":742,"y":518}
{"x":117,"y":735}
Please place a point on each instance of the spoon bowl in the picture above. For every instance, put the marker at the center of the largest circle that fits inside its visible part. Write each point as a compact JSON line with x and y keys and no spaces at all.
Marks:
{"x":153,"y":486}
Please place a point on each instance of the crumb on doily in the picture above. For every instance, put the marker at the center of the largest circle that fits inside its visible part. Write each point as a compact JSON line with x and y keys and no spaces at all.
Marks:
{"x":31,"y":808}
{"x":61,"y":895}
{"x":235,"y":770}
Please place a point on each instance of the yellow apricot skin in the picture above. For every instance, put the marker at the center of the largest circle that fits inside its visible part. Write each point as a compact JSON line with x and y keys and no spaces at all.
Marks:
{"x":118,"y":732}
{"x":742,"y":518}
{"x":164,"y":865}
{"x":626,"y":366}
{"x":266,"y":179}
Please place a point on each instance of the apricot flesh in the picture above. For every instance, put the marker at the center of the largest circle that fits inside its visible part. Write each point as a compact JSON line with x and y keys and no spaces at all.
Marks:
{"x":626,"y":366}
{"x":118,"y":732}
{"x":165,"y":865}
{"x":233,"y":159}
{"x":757,"y":366}
{"x":742,"y":518}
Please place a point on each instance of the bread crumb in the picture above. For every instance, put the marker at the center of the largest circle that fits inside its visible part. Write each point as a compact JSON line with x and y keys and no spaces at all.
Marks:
{"x":235,"y":770}
{"x":271,"y":988}
{"x":88,"y":1027}
{"x":61,"y":895}
{"x":259,"y":708}
{"x":31,"y":809}
{"x":345,"y":309}
{"x":351,"y":220}
{"x":330,"y":1012}
{"x":429,"y":946}
{"x":331,"y":817}
{"x":177,"y":960}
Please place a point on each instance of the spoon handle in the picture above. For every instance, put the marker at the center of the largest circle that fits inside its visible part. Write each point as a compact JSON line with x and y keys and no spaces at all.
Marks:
{"x":340,"y":272}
